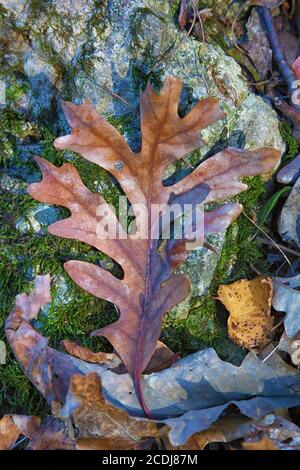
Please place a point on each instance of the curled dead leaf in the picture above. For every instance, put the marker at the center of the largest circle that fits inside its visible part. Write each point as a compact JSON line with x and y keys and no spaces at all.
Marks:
{"x":249,"y":304}
{"x":162,"y":358}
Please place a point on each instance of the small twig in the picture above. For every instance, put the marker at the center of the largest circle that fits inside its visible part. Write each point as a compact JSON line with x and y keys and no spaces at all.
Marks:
{"x":24,"y":438}
{"x":293,"y":9}
{"x":277,"y":325}
{"x":267,"y":21}
{"x":263,"y":82}
{"x":199,"y":19}
{"x":284,"y":248}
{"x":274,"y":280}
{"x":271,"y":353}
{"x":196,"y":13}
{"x":269,"y":238}
{"x":115,"y":95}
{"x":233,"y":27}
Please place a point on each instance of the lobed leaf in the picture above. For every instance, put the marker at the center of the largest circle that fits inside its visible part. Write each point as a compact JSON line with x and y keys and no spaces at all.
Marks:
{"x":149,"y":287}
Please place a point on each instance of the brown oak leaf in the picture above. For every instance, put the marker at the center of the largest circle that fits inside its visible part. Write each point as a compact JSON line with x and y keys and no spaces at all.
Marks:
{"x":149,"y":287}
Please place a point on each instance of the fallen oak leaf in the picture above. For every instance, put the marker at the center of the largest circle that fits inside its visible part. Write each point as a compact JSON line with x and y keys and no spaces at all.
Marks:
{"x":94,"y":443}
{"x":49,"y":370}
{"x":52,"y":434}
{"x":94,"y":417}
{"x":149,"y":287}
{"x":249,"y":304}
{"x":224,"y":430}
{"x":282,"y":433}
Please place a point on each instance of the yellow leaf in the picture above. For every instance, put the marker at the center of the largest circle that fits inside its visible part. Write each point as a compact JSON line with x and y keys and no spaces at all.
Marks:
{"x":249,"y":304}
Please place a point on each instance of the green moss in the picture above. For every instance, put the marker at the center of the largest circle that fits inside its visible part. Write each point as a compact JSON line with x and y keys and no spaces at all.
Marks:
{"x":73,"y":314}
{"x":291,"y":142}
{"x":13,"y":127}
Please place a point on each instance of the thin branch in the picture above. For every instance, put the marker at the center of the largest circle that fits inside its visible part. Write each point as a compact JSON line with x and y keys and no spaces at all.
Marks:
{"x":233,"y":27}
{"x":284,"y":248}
{"x":269,"y":238}
{"x":271,"y":353}
{"x":279,"y":55}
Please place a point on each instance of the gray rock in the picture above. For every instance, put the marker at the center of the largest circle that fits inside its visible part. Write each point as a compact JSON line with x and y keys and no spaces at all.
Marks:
{"x":289,"y":220}
{"x":38,"y":219}
{"x":78,"y":50}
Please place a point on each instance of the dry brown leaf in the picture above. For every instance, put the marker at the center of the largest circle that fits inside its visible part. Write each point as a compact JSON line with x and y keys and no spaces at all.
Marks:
{"x":11,"y":426}
{"x":223,"y":431}
{"x":149,"y":287}
{"x":162,"y":358}
{"x":94,"y":417}
{"x":264,"y":444}
{"x":94,"y":443}
{"x":53,"y":434}
{"x":85,"y":354}
{"x":249,"y":304}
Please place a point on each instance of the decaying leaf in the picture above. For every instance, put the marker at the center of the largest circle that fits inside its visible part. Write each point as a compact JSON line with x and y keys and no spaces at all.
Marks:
{"x":94,"y":417}
{"x":249,"y":304}
{"x":281,"y":432}
{"x":89,"y":356}
{"x":149,"y":287}
{"x":162,"y":357}
{"x":11,"y":426}
{"x":290,"y":45}
{"x":52,"y":434}
{"x":224,"y":430}
{"x":188,"y":397}
{"x":287,"y":299}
